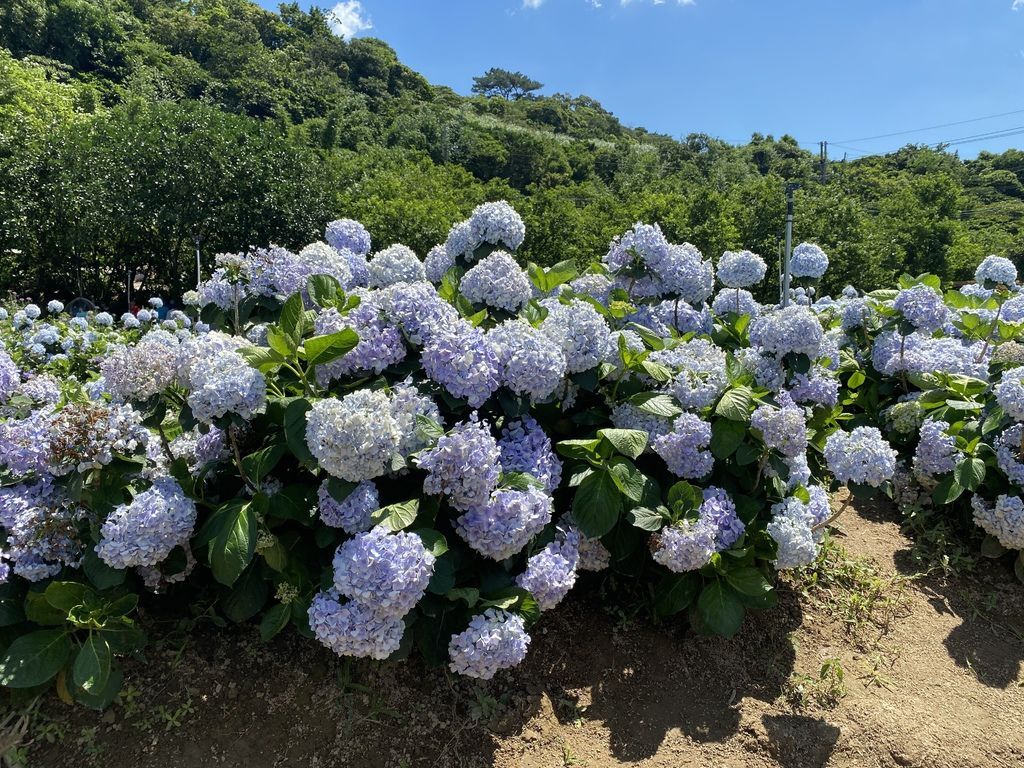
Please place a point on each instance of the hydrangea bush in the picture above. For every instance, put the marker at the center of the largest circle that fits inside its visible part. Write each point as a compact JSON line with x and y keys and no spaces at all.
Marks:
{"x":389,"y":455}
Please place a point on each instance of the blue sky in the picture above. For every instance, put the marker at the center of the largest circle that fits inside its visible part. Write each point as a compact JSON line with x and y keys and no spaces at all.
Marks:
{"x":816,"y":69}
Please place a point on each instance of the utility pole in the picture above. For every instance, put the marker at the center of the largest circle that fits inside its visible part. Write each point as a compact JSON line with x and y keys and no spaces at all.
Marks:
{"x":823,"y":160}
{"x":790,"y":188}
{"x":199,"y":263}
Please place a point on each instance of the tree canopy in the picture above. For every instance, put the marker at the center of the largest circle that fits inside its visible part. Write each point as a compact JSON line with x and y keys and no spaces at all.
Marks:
{"x":507,"y":85}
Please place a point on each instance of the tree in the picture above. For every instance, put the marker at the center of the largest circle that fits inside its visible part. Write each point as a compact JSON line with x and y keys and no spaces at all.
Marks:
{"x":508,"y":85}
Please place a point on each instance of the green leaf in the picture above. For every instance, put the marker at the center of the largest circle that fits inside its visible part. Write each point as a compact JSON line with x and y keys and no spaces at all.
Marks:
{"x":726,"y":436}
{"x":295,"y":428}
{"x":675,"y":592}
{"x":990,"y":547}
{"x":324,"y":290}
{"x":40,"y":611}
{"x":395,"y":517}
{"x":469,"y":594}
{"x":65,"y":595}
{"x":947,"y":491}
{"x":124,"y":637}
{"x":656,"y":404}
{"x":329,"y":347}
{"x":293,"y":320}
{"x":579,"y":449}
{"x":263,"y":359}
{"x":646,"y":519}
{"x":720,"y":610}
{"x":34,"y":658}
{"x":279,"y":343}
{"x":443,"y":578}
{"x":748,"y":581}
{"x":433,"y":541}
{"x":274,"y":620}
{"x":99,"y":573}
{"x":427,"y":429}
{"x":735,"y":403}
{"x":628,"y":479}
{"x":261,"y":463}
{"x":232,"y":549}
{"x":92,"y":664}
{"x":856,"y":379}
{"x":104,"y":697}
{"x":122,"y":606}
{"x":629,"y":442}
{"x":247,"y":597}
{"x":595,"y":508}
{"x":970,"y":473}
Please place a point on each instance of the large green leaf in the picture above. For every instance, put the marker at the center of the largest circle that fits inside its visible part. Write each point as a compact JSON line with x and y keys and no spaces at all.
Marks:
{"x":597,"y":503}
{"x":293,"y":320}
{"x":92,"y":664}
{"x":261,"y":463}
{"x":735,"y":403}
{"x":628,"y":442}
{"x":295,"y":428}
{"x":324,"y":349}
{"x":726,"y":436}
{"x":34,"y":658}
{"x":720,"y":609}
{"x":675,"y":592}
{"x":247,"y":597}
{"x":395,"y":517}
{"x":970,"y":473}
{"x":65,"y":595}
{"x":748,"y":581}
{"x":656,"y":404}
{"x":231,"y":551}
{"x":274,"y":620}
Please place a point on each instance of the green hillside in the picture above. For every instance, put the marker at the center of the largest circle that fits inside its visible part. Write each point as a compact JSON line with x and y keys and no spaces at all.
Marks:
{"x":131,"y":128}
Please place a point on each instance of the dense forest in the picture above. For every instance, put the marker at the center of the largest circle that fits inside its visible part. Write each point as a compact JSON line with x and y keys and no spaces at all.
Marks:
{"x":132,"y":131}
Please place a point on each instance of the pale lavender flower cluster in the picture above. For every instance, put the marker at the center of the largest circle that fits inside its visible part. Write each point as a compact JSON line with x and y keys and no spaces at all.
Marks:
{"x":808,"y":260}
{"x":914,"y":353}
{"x":494,"y":640}
{"x":40,"y":523}
{"x":386,"y":571}
{"x":658,"y":268}
{"x":223,"y":384}
{"x":685,"y":546}
{"x":497,"y":223}
{"x":348,"y":234}
{"x":741,"y":269}
{"x":936,"y":452}
{"x":356,"y":437}
{"x":794,"y":329}
{"x":736,"y":300}
{"x":856,"y":313}
{"x":532,"y":363}
{"x":767,"y":370}
{"x":200,"y":448}
{"x":783,"y":429}
{"x":506,"y":522}
{"x":354,"y":628}
{"x":551,"y":573}
{"x":628,"y":416}
{"x":380,"y":343}
{"x":861,"y":456}
{"x":923,"y":307}
{"x":395,"y":264}
{"x":464,"y":465}
{"x":1009,"y":446}
{"x":596,"y":286}
{"x":497,"y":281}
{"x":417,"y":309}
{"x":684,"y":449}
{"x":464,"y":362}
{"x":42,"y":389}
{"x":1010,"y":393}
{"x":145,"y":531}
{"x":352,"y":514}
{"x":699,"y":372}
{"x":996,"y":269}
{"x":1004,"y":519}
{"x":25,"y":443}
{"x":437,"y":262}
{"x":525,"y":447}
{"x":580,"y":330}
{"x":142,"y":370}
{"x":791,"y":528}
{"x":818,"y":388}
{"x":10,"y":376}
{"x":407,"y":403}
{"x":719,"y":512}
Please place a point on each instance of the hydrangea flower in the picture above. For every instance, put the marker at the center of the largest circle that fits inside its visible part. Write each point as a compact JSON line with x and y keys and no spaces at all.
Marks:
{"x":463,"y":361}
{"x":497,"y":281}
{"x":10,"y":376}
{"x":526,"y":448}
{"x":719,"y":512}
{"x":417,"y":310}
{"x":856,"y":314}
{"x":380,"y":344}
{"x":791,"y":528}
{"x":684,"y":449}
{"x":396,"y":264}
{"x":223,"y":384}
{"x":936,"y":452}
{"x":494,"y":640}
{"x":84,"y":436}
{"x":1004,"y":520}
{"x":699,"y":372}
{"x":532,"y":363}
{"x":818,"y":388}
{"x":596,"y":286}
{"x":103,"y":319}
{"x":1009,"y":446}
{"x":497,"y":223}
{"x":54,"y":307}
{"x":407,"y":403}
{"x":580,"y":330}
{"x":914,"y":353}
{"x":145,"y":531}
{"x":354,"y":629}
{"x":737,"y":301}
{"x":923,"y":307}
{"x":551,"y":573}
{"x":388,"y":571}
{"x":40,"y":523}
{"x":437,"y":262}
{"x":685,"y":546}
{"x":460,"y":241}
{"x":348,"y":234}
{"x":996,"y":269}
{"x":506,"y":523}
{"x":352,"y":514}
{"x":32,"y":312}
{"x":1010,"y":393}
{"x":353,"y":438}
{"x":794,"y":329}
{"x":686,"y":274}
{"x":906,"y":416}
{"x":808,"y":260}
{"x":138,"y":372}
{"x":861,"y":456}
{"x":25,"y":444}
{"x":741,"y":269}
{"x":464,"y":465}
{"x":783,"y":429}
{"x":627,"y":416}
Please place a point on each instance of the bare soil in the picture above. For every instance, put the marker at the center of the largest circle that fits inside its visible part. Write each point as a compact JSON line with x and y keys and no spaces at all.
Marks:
{"x":930,"y":667}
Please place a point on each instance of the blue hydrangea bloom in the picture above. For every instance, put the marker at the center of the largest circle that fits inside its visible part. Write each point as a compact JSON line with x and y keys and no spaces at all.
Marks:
{"x":225,"y":384}
{"x":352,"y":514}
{"x":580,"y":330}
{"x":923,"y":307}
{"x":380,"y":344}
{"x":437,"y":262}
{"x":686,"y":545}
{"x":389,"y":571}
{"x":736,"y":301}
{"x":506,"y":523}
{"x":463,"y":361}
{"x":936,"y":452}
{"x":464,"y":465}
{"x":395,"y":264}
{"x":808,"y":260}
{"x":348,"y":234}
{"x":741,"y":269}
{"x":353,"y":438}
{"x":996,"y":269}
{"x":551,"y":573}
{"x":783,"y":429}
{"x":145,"y":531}
{"x":684,"y":449}
{"x":790,"y":526}
{"x":1004,"y":519}
{"x":418,"y":310}
{"x":1009,"y":447}
{"x":861,"y":456}
{"x":497,"y":281}
{"x":532,"y":363}
{"x":526,"y":448}
{"x":497,"y":223}
{"x":699,"y":372}
{"x":719,"y":511}
{"x":794,"y":329}
{"x":353,"y":628}
{"x":41,"y":527}
{"x":494,"y":640}
{"x":1010,"y":393}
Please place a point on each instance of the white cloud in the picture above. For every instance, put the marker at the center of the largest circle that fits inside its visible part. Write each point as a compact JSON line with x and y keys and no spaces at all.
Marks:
{"x":1017,"y":5}
{"x":348,"y":18}
{"x":532,"y":3}
{"x":694,"y":2}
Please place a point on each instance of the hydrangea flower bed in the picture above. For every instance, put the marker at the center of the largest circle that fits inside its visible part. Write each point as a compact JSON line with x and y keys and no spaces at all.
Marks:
{"x":394,"y":456}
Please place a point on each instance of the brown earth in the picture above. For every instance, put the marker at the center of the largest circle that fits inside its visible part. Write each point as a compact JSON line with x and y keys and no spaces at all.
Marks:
{"x":930,"y":668}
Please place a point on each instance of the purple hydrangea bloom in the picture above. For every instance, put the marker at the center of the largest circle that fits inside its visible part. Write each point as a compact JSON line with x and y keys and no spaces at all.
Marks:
{"x":226,"y":383}
{"x":790,"y":526}
{"x":808,"y":260}
{"x":352,"y":514}
{"x":497,"y":281}
{"x":356,"y":437}
{"x":497,"y":223}
{"x":40,"y":523}
{"x":936,"y":452}
{"x":25,"y":444}
{"x":736,"y":301}
{"x":1004,"y":520}
{"x":861,"y":456}
{"x":464,"y":362}
{"x":494,"y":640}
{"x":10,"y":376}
{"x":437,"y":263}
{"x":464,"y":465}
{"x":741,"y":269}
{"x":719,"y":510}
{"x":145,"y":531}
{"x":395,"y":264}
{"x":389,"y":571}
{"x":525,"y":447}
{"x":532,"y":363}
{"x":354,"y":629}
{"x":380,"y":344}
{"x":794,"y":329}
{"x":348,"y":234}
{"x":580,"y":330}
{"x":686,"y":545}
{"x":784,"y":428}
{"x":684,"y":449}
{"x":418,"y":310}
{"x":1008,"y":448}
{"x":551,"y":573}
{"x":923,"y":307}
{"x":506,"y":523}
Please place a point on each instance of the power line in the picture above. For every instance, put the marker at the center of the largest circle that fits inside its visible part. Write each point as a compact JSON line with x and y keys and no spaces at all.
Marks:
{"x":932,"y":127}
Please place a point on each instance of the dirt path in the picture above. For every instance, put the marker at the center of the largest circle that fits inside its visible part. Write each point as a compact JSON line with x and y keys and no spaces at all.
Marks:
{"x":866,"y":667}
